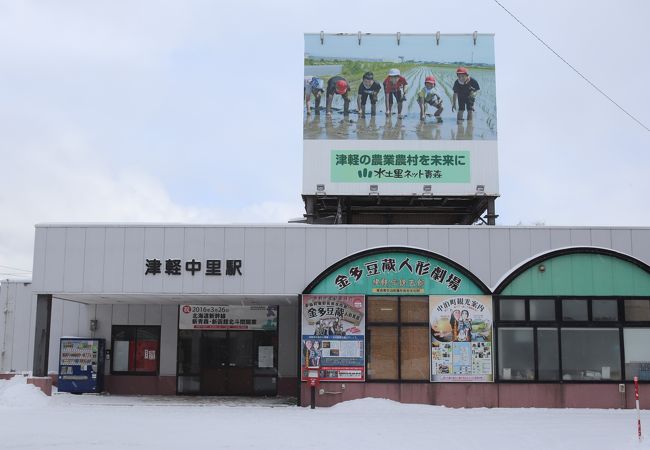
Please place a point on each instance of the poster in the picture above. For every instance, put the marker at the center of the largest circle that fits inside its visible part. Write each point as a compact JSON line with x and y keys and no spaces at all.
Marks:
{"x":333,"y":337}
{"x":228,"y":317}
{"x":399,"y":112}
{"x":461,"y":338}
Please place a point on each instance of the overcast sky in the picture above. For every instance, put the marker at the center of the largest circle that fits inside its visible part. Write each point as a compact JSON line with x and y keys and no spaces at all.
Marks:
{"x":188,"y":111}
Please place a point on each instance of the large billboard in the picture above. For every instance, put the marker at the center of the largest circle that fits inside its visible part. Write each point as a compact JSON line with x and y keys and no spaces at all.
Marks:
{"x":391,"y":114}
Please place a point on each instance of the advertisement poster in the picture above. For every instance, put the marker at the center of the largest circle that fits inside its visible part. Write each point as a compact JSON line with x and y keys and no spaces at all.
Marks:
{"x":227,"y":317}
{"x":402,"y":110}
{"x":461,"y":338}
{"x":333,"y":337}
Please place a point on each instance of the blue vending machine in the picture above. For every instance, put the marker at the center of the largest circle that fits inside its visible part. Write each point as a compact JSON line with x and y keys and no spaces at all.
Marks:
{"x":81,"y":365}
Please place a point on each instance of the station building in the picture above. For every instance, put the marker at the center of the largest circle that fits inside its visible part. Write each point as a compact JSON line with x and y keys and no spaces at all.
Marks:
{"x":386,"y":289}
{"x":570,"y":308}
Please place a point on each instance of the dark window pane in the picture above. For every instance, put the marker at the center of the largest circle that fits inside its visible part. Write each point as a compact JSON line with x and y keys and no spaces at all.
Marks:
{"x":382,"y":309}
{"x":637,"y":310}
{"x":122,"y":333}
{"x":542,"y":309}
{"x":574,"y":310}
{"x":512,"y":310}
{"x":189,"y":351}
{"x":414,"y":309}
{"x":637,"y":353}
{"x":591,"y":354}
{"x":548,"y":365}
{"x":147,"y":333}
{"x":516,"y":355}
{"x":382,"y":361}
{"x":415,"y":353}
{"x":604,"y":310}
{"x":240,"y":349}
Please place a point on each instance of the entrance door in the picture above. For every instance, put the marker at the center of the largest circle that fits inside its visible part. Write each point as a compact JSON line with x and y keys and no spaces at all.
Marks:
{"x":239,"y":377}
{"x":214,"y":362}
{"x":227,"y":362}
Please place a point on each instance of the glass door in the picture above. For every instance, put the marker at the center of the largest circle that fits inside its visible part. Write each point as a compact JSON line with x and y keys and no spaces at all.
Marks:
{"x":214,"y":363}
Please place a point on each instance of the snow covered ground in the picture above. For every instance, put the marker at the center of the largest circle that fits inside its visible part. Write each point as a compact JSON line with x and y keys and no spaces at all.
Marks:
{"x":30,"y":420}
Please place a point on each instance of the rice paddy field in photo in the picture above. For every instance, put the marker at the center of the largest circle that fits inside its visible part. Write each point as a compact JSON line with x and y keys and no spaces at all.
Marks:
{"x":381,"y":126}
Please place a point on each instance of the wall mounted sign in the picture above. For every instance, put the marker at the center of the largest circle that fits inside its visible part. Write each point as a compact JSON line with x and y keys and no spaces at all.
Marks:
{"x":333,"y":337}
{"x":461,"y":338}
{"x":397,"y":273}
{"x":227,"y":317}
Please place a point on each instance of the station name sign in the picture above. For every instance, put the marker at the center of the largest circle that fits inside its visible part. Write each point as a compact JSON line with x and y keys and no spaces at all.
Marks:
{"x":213,"y":267}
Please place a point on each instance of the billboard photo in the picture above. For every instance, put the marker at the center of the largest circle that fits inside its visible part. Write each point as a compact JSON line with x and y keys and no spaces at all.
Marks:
{"x":333,"y":337}
{"x":419,"y":89}
{"x":399,"y":114}
{"x":461,"y":338}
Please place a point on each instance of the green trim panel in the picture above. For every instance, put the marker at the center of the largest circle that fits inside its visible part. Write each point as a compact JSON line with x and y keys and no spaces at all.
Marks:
{"x":579,"y":274}
{"x":397,"y":273}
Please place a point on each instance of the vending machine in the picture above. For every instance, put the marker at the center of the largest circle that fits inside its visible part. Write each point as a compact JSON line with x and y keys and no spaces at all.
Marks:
{"x":81,"y":365}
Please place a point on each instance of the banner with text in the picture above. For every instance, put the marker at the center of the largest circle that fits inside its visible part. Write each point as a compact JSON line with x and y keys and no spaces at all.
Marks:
{"x":227,"y":317}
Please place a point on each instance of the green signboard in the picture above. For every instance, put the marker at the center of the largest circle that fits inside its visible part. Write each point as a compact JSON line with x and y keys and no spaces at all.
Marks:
{"x":397,"y":273}
{"x":367,"y":166}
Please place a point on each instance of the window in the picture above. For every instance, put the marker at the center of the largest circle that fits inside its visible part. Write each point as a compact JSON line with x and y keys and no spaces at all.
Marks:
{"x":516,"y":356}
{"x":382,"y":309}
{"x":637,"y":310}
{"x":547,"y":354}
{"x":542,"y":309}
{"x":135,"y":349}
{"x":398,"y":338}
{"x":382,"y":362}
{"x":637,"y":353}
{"x":590,"y":354}
{"x":415,"y":354}
{"x":604,"y":310}
{"x":574,"y":310}
{"x":572,"y":339}
{"x":514,"y":309}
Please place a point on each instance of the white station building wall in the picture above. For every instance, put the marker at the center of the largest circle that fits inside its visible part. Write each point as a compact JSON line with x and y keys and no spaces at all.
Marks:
{"x":98,"y":272}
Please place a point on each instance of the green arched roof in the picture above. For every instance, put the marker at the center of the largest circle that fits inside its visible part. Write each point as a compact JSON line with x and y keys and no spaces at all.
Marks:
{"x":579,"y":271}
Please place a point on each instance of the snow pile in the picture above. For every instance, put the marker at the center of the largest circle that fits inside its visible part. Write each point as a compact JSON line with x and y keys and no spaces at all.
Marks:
{"x":17,"y":393}
{"x":376,"y":405}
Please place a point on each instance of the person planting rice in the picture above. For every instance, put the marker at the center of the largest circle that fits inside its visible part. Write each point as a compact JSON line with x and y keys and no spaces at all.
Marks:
{"x":465,"y":91}
{"x":313,"y":86}
{"x":338,"y":85}
{"x":428,"y":96}
{"x":395,"y":86}
{"x":368,"y":88}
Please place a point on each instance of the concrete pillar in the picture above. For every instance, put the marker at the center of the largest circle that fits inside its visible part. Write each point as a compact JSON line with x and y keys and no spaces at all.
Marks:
{"x":42,"y":334}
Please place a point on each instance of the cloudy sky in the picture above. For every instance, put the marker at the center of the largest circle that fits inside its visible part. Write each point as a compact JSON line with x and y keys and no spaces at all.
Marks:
{"x":187,"y":111}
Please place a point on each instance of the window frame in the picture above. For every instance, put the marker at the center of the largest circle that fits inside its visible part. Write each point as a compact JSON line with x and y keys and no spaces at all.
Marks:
{"x":559,"y":323}
{"x":399,"y":325}
{"x":133,"y":330}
